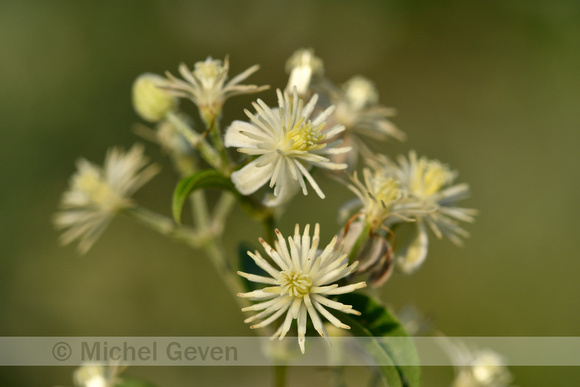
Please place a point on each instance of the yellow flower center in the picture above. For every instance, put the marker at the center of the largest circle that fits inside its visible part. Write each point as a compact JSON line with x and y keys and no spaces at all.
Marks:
{"x":98,"y":191}
{"x":295,"y":284}
{"x":387,"y":189}
{"x":208,"y":72}
{"x":384,"y":190}
{"x":430,"y":177}
{"x":304,"y":137}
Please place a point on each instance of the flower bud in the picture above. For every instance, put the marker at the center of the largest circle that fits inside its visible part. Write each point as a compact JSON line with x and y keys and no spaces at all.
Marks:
{"x":372,"y":251}
{"x":360,"y":93}
{"x":302,"y":66}
{"x":150,"y":102}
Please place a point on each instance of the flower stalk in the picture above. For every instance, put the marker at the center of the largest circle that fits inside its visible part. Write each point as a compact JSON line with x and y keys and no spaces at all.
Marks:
{"x":200,"y":240}
{"x":207,"y":152}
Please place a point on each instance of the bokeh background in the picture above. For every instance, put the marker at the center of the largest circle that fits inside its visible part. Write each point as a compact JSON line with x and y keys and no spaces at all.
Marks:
{"x":490,"y":87}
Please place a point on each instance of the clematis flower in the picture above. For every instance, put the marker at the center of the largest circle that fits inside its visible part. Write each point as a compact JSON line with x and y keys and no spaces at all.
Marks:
{"x":206,"y":85}
{"x":381,"y":199}
{"x":476,"y":367}
{"x":415,"y":194}
{"x":358,"y":109}
{"x":429,"y":185}
{"x":287,"y":142}
{"x":97,"y":194}
{"x":300,"y":284}
{"x":376,"y":193}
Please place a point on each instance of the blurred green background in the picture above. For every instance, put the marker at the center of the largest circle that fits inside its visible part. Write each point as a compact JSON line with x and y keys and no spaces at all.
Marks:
{"x":490,"y":87}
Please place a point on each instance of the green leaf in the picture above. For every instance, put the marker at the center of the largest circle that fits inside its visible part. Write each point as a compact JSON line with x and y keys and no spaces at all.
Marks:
{"x":208,"y":178}
{"x":376,"y":321}
{"x":247,"y":265}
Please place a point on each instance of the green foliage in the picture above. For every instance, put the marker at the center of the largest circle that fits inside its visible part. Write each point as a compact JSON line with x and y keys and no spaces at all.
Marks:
{"x":376,"y":321}
{"x":247,"y":265}
{"x":208,"y":178}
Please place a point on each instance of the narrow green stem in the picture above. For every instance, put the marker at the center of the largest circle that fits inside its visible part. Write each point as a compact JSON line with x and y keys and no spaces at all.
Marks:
{"x":209,"y":154}
{"x":362,"y":238}
{"x":199,"y":210}
{"x":166,"y":226}
{"x":231,"y":279}
{"x":222,"y":209}
{"x":195,"y":239}
{"x":218,"y":142}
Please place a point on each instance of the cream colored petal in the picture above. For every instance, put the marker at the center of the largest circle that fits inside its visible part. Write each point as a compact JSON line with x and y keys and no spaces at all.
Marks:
{"x":287,"y":192}
{"x":413,"y":253}
{"x":235,"y":136}
{"x":250,"y":178}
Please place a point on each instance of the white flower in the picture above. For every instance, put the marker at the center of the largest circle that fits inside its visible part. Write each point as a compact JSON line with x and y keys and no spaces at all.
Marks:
{"x":97,"y":194}
{"x":206,"y":85}
{"x":476,"y":367}
{"x":377,"y":195}
{"x":300,"y":284}
{"x":380,"y":199}
{"x":97,"y":376}
{"x":286,"y":142}
{"x":431,"y":183}
{"x":358,"y":109}
{"x":429,"y":186}
{"x":302,"y":66}
{"x":419,"y":192}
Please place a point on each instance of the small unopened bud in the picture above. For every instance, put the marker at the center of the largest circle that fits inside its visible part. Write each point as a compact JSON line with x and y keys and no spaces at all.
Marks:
{"x":149,"y":101}
{"x":360,"y":93}
{"x":302,"y":66}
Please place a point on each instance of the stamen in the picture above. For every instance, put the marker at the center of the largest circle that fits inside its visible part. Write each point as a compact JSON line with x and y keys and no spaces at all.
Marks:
{"x":295,"y":284}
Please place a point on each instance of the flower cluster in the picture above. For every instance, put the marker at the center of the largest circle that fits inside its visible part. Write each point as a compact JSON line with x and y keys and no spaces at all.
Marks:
{"x":430,"y":185}
{"x":315,"y":128}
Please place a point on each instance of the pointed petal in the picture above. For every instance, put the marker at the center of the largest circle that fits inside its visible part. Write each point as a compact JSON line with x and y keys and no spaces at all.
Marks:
{"x":235,"y":136}
{"x":414,"y":252}
{"x":251,"y":177}
{"x":302,"y":326}
{"x":258,"y":278}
